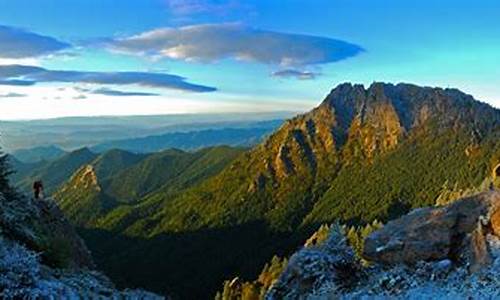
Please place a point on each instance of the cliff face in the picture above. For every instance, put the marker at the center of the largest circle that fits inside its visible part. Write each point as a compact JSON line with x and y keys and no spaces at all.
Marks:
{"x":42,"y":256}
{"x":84,"y":201}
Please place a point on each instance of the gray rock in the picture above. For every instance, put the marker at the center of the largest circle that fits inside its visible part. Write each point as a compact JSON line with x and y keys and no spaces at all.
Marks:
{"x":435,"y":233}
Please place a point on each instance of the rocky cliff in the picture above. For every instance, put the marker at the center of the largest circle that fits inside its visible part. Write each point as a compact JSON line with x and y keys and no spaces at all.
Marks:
{"x":42,"y":257}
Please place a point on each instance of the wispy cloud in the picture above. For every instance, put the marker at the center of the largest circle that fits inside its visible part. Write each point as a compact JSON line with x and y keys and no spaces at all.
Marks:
{"x":16,"y":43}
{"x":12,"y":95}
{"x":16,"y":82}
{"x":293,"y":73}
{"x":194,"y":7}
{"x":30,"y":75}
{"x":110,"y":92}
{"x":113,"y":92}
{"x":213,"y":42}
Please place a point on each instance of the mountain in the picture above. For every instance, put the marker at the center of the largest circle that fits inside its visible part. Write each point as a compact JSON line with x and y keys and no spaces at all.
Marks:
{"x":111,"y":162}
{"x":37,"y":154}
{"x":84,"y":199}
{"x":118,"y":181}
{"x":363,"y":154}
{"x":337,"y":161}
{"x":52,"y":173}
{"x":190,"y":140}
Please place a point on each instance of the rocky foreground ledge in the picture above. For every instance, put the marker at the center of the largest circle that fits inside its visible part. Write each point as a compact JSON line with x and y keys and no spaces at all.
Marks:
{"x":458,"y":232}
{"x":42,"y":257}
{"x":449,"y":252}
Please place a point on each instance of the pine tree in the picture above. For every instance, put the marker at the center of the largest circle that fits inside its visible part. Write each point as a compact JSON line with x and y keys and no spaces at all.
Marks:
{"x":5,"y":172}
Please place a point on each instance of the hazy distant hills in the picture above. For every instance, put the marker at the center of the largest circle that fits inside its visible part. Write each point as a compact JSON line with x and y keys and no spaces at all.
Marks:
{"x":191,"y":140}
{"x":77,"y":132}
{"x":364,"y":154}
{"x":37,"y":154}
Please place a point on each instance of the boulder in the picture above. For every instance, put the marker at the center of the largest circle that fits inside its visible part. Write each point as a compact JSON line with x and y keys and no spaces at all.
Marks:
{"x":436,"y":233}
{"x":478,"y":254}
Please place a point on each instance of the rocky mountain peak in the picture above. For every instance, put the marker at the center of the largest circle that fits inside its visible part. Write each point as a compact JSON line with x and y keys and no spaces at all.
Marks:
{"x":414,"y":104}
{"x":85,"y":178}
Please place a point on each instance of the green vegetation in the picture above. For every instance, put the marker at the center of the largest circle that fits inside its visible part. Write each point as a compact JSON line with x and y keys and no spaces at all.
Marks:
{"x":408,"y":177}
{"x":56,"y":252}
{"x":255,"y":290}
{"x":114,"y":188}
{"x":5,"y":172}
{"x":357,"y":235}
{"x":235,"y":289}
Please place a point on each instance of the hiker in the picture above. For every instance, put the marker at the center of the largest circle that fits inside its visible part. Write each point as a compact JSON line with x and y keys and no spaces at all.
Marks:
{"x":38,"y":189}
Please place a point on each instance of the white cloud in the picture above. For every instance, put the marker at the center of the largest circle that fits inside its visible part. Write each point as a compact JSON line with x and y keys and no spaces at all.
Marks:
{"x":213,"y":42}
{"x":16,"y":43}
{"x":12,"y":95}
{"x":117,"y":93}
{"x":194,"y":7}
{"x":20,"y":61}
{"x":293,"y":73}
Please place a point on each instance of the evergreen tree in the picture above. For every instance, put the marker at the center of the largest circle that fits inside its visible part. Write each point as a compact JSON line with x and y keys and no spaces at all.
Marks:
{"x":5,"y":172}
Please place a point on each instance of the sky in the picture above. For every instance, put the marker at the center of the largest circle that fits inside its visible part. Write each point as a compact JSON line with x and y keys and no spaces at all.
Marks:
{"x":102,"y":57}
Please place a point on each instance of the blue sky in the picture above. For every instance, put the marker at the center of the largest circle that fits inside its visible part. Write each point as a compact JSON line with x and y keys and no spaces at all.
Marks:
{"x":174,"y":56}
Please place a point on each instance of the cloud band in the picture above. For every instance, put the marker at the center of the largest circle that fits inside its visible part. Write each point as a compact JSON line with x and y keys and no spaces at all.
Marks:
{"x":30,"y":75}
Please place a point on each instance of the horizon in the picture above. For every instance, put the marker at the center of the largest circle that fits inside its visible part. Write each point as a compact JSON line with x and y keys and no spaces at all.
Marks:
{"x":170,"y":57}
{"x":115,"y":117}
{"x":215,"y":113}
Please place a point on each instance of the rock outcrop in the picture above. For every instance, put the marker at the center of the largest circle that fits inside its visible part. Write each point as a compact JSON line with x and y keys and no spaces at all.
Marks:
{"x":317,"y":268}
{"x":450,"y":252}
{"x":456,"y":231}
{"x":42,"y":257}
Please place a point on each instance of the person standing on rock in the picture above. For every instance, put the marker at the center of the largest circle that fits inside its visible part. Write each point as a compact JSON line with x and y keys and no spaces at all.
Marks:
{"x":38,"y":189}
